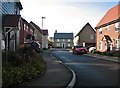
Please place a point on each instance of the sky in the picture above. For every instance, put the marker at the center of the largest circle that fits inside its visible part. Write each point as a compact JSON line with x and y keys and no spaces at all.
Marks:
{"x":65,"y":16}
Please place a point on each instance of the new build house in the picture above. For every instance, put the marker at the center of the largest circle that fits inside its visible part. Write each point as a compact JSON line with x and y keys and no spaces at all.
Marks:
{"x":63,"y":40}
{"x":86,"y":36}
{"x":108,"y":31}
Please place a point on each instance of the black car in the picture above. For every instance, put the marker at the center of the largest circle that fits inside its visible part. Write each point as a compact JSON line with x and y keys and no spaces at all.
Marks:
{"x":36,"y":46}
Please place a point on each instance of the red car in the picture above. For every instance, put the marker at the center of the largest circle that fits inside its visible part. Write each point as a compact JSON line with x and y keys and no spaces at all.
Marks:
{"x":79,"y":50}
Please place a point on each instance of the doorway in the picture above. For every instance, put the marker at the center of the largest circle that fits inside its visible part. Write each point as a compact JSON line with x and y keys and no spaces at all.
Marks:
{"x":63,"y":45}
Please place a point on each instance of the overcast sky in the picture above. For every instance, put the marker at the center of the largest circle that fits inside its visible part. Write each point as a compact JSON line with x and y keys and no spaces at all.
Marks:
{"x":65,"y":15}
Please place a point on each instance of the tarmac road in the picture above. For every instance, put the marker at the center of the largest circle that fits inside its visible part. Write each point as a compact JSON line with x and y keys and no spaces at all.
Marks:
{"x":90,"y":72}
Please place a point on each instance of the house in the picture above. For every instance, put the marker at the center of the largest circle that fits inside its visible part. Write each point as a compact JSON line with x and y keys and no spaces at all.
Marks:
{"x":108,"y":31}
{"x":51,"y":42}
{"x":11,"y":27}
{"x":44,"y":39}
{"x":86,"y":36}
{"x":11,"y":23}
{"x":11,"y":7}
{"x":26,"y":31}
{"x":37,"y":33}
{"x":63,"y":40}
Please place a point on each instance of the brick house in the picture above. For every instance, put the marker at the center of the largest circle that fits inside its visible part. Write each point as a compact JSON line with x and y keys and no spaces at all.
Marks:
{"x":26,"y":31}
{"x":63,"y":40}
{"x":86,"y":36}
{"x":108,"y":30}
{"x":37,"y":33}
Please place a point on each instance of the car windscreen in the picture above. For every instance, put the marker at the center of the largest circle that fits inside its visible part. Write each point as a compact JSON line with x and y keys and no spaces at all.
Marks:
{"x":78,"y":46}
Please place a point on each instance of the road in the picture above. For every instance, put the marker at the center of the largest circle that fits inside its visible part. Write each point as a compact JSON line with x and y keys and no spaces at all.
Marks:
{"x":90,"y":72}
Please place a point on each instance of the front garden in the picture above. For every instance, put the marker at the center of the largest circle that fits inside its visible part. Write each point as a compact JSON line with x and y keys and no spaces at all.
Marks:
{"x":110,"y":53}
{"x":21,"y":66}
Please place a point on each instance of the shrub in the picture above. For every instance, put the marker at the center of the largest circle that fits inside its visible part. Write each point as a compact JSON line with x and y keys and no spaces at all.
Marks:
{"x":21,"y":66}
{"x":114,"y":54}
{"x":96,"y":52}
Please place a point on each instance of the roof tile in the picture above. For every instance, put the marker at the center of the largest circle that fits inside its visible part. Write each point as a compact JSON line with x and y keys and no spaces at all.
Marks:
{"x":111,"y":15}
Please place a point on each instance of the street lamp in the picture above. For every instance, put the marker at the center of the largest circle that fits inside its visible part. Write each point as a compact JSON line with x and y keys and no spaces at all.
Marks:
{"x":42,"y":21}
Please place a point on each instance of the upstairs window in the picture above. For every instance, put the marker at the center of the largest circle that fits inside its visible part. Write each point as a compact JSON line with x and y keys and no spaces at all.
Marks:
{"x":107,"y":28}
{"x":58,"y":40}
{"x":69,"y":40}
{"x":117,"y":27}
{"x":100,"y":31}
{"x":91,"y":36}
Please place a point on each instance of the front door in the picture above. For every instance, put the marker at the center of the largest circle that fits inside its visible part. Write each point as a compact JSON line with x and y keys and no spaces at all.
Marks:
{"x":108,"y":46}
{"x":63,"y":45}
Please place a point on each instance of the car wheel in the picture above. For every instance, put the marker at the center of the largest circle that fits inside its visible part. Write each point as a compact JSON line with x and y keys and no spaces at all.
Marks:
{"x":72,"y":52}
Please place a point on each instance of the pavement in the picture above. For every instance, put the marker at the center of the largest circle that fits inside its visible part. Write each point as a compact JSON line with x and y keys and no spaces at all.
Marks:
{"x":56,"y":74}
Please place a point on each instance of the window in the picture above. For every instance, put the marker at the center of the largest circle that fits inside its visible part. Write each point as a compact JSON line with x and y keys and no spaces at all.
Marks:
{"x":117,"y":43}
{"x":58,"y":44}
{"x":107,"y":28}
{"x":68,"y":40}
{"x":63,"y":39}
{"x":117,"y":27}
{"x":58,"y":40}
{"x":100,"y":31}
{"x":68,"y":45}
{"x":100,"y":45}
{"x":91,"y":36}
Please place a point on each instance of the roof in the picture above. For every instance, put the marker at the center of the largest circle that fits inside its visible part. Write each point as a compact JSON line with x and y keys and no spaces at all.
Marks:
{"x":111,"y":15}
{"x":84,"y":28}
{"x":106,"y":37}
{"x":24,"y":20}
{"x":37,"y":27}
{"x":63,"y":35}
{"x":19,"y":4}
{"x":31,"y":26}
{"x":44,"y":32}
{"x":11,"y":20}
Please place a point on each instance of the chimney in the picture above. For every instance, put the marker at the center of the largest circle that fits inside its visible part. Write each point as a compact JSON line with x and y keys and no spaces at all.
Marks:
{"x":55,"y":31}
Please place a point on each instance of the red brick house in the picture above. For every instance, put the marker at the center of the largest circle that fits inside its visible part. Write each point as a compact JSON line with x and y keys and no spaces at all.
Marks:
{"x":108,"y":31}
{"x":26,"y":31}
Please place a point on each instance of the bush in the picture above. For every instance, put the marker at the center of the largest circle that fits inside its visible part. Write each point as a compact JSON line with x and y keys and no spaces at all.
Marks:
{"x":114,"y":54}
{"x":21,"y":66}
{"x":96,"y":52}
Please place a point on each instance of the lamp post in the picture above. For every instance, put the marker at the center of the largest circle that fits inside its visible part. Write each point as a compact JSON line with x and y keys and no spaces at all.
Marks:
{"x":42,"y":21}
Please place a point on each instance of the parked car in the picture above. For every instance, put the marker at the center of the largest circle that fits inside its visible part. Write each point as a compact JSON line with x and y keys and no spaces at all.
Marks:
{"x":91,"y":49}
{"x":36,"y":46}
{"x":79,"y":50}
